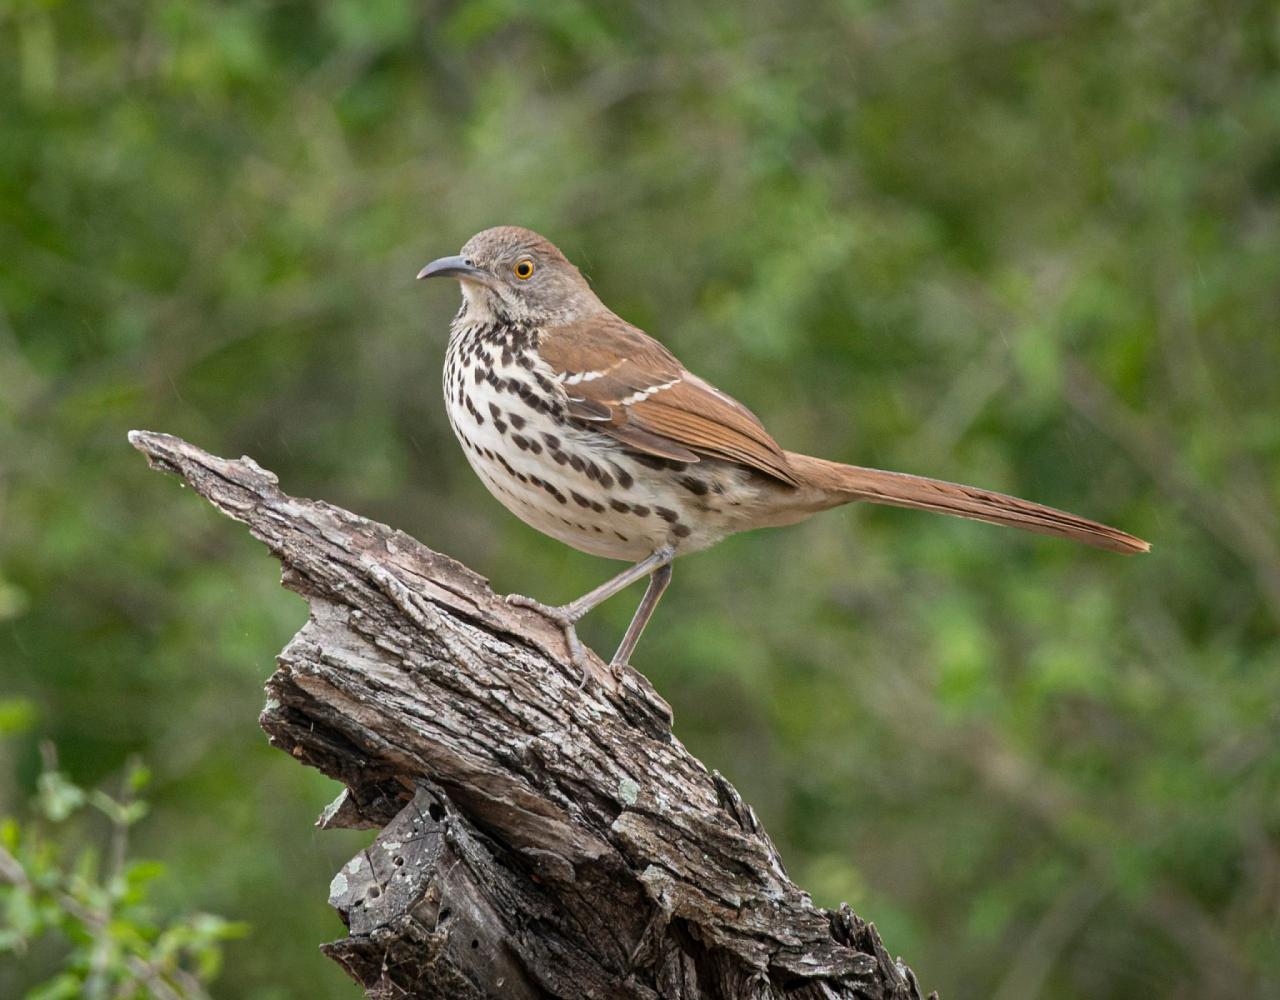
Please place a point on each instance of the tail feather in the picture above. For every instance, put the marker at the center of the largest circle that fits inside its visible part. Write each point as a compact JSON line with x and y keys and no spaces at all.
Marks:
{"x":898,"y":489}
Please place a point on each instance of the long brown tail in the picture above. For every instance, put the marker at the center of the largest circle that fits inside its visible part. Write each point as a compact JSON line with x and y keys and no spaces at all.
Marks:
{"x":897,"y":489}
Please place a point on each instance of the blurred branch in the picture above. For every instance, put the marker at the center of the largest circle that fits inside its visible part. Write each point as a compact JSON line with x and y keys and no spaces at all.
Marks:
{"x":1043,"y":947}
{"x":1219,"y":512}
{"x":1044,"y":798}
{"x":536,"y":838}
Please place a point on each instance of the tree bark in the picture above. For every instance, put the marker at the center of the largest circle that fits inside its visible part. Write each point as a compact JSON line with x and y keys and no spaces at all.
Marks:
{"x":538,"y":838}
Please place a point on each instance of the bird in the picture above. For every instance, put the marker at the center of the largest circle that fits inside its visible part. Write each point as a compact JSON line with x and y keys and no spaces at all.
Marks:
{"x":592,"y":432}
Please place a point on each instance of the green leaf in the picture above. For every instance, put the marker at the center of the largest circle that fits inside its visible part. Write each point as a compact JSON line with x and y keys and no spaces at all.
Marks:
{"x":17,"y":715}
{"x":138,"y":778}
{"x":58,"y":796}
{"x":64,"y":986}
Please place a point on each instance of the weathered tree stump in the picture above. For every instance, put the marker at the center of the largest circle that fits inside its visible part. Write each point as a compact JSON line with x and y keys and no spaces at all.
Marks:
{"x":537,"y":839}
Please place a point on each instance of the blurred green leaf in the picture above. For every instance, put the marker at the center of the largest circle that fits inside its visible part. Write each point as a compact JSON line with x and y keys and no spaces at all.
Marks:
{"x":17,"y":715}
{"x":58,"y":796}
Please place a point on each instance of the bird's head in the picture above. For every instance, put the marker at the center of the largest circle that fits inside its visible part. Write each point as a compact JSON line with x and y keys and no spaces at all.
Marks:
{"x":518,"y":275}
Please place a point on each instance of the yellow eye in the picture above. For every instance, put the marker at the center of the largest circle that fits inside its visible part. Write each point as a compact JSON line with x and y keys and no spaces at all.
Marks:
{"x":524,"y":269}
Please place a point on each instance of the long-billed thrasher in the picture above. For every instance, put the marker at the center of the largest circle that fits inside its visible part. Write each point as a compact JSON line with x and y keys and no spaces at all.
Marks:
{"x":591,"y":431}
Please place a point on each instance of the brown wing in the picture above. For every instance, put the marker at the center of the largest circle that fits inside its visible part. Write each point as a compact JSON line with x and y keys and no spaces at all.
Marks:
{"x":632,"y":388}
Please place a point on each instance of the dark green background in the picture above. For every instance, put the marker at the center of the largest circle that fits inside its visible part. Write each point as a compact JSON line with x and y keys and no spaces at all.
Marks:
{"x":1032,"y":246}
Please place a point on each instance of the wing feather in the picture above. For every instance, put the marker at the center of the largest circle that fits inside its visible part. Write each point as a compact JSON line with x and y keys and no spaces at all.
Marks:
{"x":629,"y":386}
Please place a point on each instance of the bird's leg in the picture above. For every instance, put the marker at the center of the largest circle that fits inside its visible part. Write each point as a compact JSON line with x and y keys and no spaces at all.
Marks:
{"x":574,"y":611}
{"x":657,"y":584}
{"x":568,"y":615}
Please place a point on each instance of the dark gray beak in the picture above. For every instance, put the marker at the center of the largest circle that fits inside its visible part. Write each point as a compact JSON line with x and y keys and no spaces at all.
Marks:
{"x":455,"y":267}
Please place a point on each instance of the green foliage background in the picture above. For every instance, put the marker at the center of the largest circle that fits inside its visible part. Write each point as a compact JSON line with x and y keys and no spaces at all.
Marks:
{"x":1033,"y":246}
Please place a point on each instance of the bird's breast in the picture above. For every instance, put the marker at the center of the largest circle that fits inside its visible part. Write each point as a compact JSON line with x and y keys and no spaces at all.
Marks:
{"x":568,"y":480}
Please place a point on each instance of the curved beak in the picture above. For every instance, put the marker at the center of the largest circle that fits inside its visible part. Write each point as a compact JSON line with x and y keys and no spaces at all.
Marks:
{"x":454,"y":267}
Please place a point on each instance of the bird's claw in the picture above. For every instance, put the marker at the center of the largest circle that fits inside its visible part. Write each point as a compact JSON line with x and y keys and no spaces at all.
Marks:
{"x":559,"y":615}
{"x":567,"y":622}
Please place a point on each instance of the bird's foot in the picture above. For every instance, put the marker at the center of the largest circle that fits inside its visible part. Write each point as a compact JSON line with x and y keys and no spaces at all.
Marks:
{"x":564,"y":617}
{"x":618,"y":668}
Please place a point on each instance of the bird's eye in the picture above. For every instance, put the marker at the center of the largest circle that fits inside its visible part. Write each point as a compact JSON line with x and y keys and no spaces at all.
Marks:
{"x":524,"y":269}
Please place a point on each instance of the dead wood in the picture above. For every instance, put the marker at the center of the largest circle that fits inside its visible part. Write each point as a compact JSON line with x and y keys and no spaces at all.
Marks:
{"x":536,"y":839}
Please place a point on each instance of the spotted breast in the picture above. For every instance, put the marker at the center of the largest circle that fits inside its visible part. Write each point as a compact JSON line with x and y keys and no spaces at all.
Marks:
{"x":516,"y":416}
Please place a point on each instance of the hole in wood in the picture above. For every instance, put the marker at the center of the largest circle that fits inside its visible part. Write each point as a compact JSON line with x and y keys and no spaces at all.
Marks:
{"x":436,"y":811}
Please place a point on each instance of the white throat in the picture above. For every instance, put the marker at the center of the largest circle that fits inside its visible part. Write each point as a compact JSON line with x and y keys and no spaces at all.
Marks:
{"x":478,"y":300}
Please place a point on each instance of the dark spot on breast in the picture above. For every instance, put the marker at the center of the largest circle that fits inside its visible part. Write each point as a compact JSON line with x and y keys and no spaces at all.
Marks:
{"x":695,"y":486}
{"x":599,"y":475}
{"x":577,"y":462}
{"x":670,"y":516}
{"x":501,"y":425}
{"x":621,"y":506}
{"x":494,"y":411}
{"x":552,"y":440}
{"x":680,"y":530}
{"x":624,"y":478}
{"x":579,"y":499}
{"x":640,"y":509}
{"x":517,"y":421}
{"x":560,"y":457}
{"x":622,"y":536}
{"x":519,"y":441}
{"x":549,"y":487}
